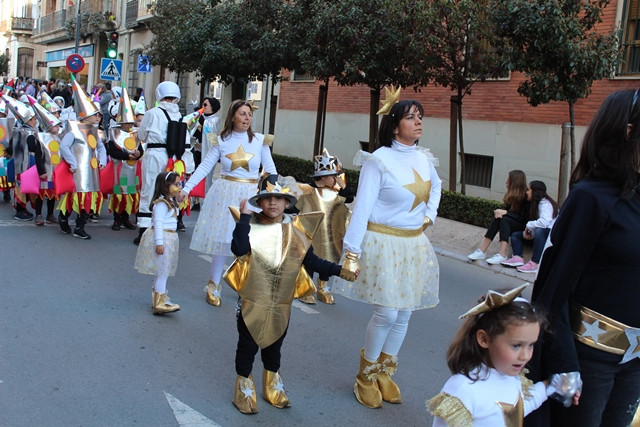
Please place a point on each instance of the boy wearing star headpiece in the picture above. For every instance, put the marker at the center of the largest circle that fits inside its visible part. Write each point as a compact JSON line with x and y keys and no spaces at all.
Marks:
{"x":273,"y":254}
{"x":327,"y":193}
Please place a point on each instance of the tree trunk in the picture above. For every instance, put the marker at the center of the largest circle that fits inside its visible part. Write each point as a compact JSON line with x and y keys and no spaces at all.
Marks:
{"x":273,"y":109}
{"x":320,"y":114}
{"x":453,"y":142}
{"x":573,"y":136}
{"x":463,"y":189}
{"x":565,"y":161}
{"x":373,"y":119}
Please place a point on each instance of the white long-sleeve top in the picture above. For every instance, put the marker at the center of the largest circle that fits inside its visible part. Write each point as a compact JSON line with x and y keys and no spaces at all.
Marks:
{"x":384,"y":192}
{"x":228,"y":146}
{"x":69,"y":157}
{"x":163,"y":218}
{"x":153,"y":128}
{"x":481,"y":397}
{"x":545,"y":216}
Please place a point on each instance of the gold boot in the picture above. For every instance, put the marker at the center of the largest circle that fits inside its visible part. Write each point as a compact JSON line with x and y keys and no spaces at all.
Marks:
{"x":366,"y":388}
{"x":323,"y":294}
{"x":244,"y":395}
{"x":162,"y":305}
{"x":309,"y":299}
{"x":273,"y":389}
{"x":213,"y":293}
{"x":388,"y":388}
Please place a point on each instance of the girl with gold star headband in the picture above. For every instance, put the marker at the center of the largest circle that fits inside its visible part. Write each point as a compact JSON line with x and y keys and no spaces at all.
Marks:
{"x":398,"y":194}
{"x":487,"y":359}
{"x":241,"y":152}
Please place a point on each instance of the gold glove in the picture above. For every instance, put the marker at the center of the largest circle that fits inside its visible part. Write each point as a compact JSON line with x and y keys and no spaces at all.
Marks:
{"x":351,"y":267}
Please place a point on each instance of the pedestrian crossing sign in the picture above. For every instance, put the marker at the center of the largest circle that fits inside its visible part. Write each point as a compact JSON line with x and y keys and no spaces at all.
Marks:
{"x":110,"y":69}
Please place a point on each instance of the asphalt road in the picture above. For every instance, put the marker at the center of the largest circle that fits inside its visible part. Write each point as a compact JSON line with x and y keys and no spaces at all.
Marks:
{"x":80,"y":347}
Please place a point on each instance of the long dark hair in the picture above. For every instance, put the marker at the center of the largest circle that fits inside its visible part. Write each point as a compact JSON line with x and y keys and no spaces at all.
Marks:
{"x":539,"y":192}
{"x":391,"y":121}
{"x":610,"y":152}
{"x":227,"y":128}
{"x":465,"y":354}
{"x":163,"y":182}
{"x":516,"y":195}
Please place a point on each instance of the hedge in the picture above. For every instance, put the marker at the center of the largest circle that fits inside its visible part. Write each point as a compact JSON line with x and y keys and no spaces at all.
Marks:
{"x":455,"y":206}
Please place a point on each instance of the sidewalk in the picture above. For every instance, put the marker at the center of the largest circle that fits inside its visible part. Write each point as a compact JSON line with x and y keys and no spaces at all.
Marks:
{"x":457,"y":240}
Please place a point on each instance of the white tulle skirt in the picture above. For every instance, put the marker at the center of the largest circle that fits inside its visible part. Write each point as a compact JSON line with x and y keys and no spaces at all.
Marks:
{"x":397,"y":272}
{"x":149,"y":262}
{"x":214,"y":229}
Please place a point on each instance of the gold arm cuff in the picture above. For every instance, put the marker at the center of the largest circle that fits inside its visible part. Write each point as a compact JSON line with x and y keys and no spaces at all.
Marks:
{"x":393,"y":231}
{"x":268,"y":140}
{"x":169,"y":231}
{"x":451,"y":409}
{"x":612,"y":337}
{"x":234,"y":179}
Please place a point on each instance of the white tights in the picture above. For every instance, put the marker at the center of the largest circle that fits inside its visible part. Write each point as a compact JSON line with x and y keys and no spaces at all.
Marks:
{"x":160,"y":285}
{"x":385,"y":332}
{"x":217,"y":267}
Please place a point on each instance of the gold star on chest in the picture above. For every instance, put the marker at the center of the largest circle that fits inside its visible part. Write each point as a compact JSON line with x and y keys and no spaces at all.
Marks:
{"x":421,"y":190}
{"x":513,"y":414}
{"x":240,"y":159}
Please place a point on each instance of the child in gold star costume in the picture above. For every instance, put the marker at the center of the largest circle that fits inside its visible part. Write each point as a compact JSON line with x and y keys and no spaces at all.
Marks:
{"x":487,"y":358}
{"x":327,"y":193}
{"x":271,"y":248}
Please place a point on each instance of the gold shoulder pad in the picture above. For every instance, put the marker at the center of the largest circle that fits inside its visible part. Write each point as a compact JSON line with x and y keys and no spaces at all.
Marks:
{"x":450,"y":409}
{"x":212,"y":139}
{"x":235,"y":212}
{"x":268,"y":140}
{"x":305,"y":188}
{"x":308,"y":222}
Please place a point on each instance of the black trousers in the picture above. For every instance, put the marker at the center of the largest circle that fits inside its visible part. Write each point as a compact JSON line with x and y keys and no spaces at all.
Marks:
{"x":81,"y":220}
{"x":247,"y":349}
{"x":505,"y":225}
{"x":50,"y":206}
{"x":120,"y":218}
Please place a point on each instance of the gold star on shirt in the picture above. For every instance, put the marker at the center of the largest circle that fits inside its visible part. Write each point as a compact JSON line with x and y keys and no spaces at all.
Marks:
{"x":513,"y":414}
{"x":420,"y":189}
{"x":240,"y":159}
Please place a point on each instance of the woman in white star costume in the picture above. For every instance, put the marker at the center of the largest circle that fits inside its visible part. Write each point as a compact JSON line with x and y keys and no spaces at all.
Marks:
{"x":240,"y":152}
{"x":398,"y":193}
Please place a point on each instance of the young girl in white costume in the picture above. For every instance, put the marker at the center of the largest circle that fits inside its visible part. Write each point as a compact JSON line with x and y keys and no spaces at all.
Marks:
{"x":487,"y":359}
{"x":158,"y":250}
{"x":240,"y":152}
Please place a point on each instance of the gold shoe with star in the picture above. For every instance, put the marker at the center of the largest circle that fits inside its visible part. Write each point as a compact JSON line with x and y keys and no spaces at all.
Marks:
{"x":273,"y":389}
{"x":309,"y":299}
{"x":388,"y":388}
{"x":244,"y":395}
{"x":162,"y":305}
{"x":213,"y":293}
{"x":323,"y":294}
{"x":366,"y":388}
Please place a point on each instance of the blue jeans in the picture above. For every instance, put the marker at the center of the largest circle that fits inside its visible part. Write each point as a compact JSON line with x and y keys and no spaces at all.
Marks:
{"x":539,"y":239}
{"x":610,"y":393}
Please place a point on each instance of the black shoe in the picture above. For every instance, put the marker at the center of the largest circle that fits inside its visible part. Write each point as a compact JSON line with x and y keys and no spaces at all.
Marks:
{"x":64,"y":226}
{"x":195,"y":207}
{"x":7,"y":196}
{"x":129,"y":225}
{"x":181,"y":226}
{"x":23,"y":216}
{"x":93,"y":217}
{"x":81,"y":234}
{"x":115,"y":226}
{"x":136,"y":241}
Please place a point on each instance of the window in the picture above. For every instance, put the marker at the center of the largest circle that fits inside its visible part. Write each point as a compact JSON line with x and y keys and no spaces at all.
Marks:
{"x":133,"y":72}
{"x":478,"y":170}
{"x":300,"y":76}
{"x":25,"y":62}
{"x":630,"y":38}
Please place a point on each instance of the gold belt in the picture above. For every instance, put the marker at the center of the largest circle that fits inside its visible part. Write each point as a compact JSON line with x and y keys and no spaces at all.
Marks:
{"x":170,"y":231}
{"x":599,"y":331}
{"x":231,"y":178}
{"x":393,"y":231}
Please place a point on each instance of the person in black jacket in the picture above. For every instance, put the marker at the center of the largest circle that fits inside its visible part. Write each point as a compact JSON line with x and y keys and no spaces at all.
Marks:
{"x":275,"y":275}
{"x":588,"y":277}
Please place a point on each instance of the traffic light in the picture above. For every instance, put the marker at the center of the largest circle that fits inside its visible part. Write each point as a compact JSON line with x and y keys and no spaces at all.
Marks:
{"x":112,"y":45}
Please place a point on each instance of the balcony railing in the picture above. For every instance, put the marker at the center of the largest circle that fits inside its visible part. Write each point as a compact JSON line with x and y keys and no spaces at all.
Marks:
{"x":51,"y":22}
{"x":144,"y":11}
{"x":131,"y":20}
{"x":21,"y":24}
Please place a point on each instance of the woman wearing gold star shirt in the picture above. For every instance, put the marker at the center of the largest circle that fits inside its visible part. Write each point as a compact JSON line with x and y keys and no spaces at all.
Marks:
{"x":240,"y":152}
{"x":398,"y":194}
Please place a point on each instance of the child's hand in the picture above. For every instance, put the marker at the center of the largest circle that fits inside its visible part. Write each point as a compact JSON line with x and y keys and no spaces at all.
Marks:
{"x":244,"y":207}
{"x":340,"y":182}
{"x":180,"y":197}
{"x":160,"y":249}
{"x":576,"y":399}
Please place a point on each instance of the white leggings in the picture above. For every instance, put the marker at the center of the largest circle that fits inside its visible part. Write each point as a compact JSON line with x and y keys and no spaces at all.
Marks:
{"x":217,"y":267}
{"x":160,"y":284}
{"x":385,"y":332}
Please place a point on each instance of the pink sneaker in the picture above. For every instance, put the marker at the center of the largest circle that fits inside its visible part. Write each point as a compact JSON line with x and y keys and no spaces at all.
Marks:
{"x":530,"y":267}
{"x":514,"y":261}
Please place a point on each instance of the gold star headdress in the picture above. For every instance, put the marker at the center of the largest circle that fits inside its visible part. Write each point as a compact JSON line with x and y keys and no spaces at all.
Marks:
{"x":391,"y":97}
{"x":494,"y":300}
{"x":251,"y":105}
{"x":273,"y":185}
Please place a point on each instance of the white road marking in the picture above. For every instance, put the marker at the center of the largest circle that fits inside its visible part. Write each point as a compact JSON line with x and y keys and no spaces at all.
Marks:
{"x":187,"y":416}
{"x":304,"y":307}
